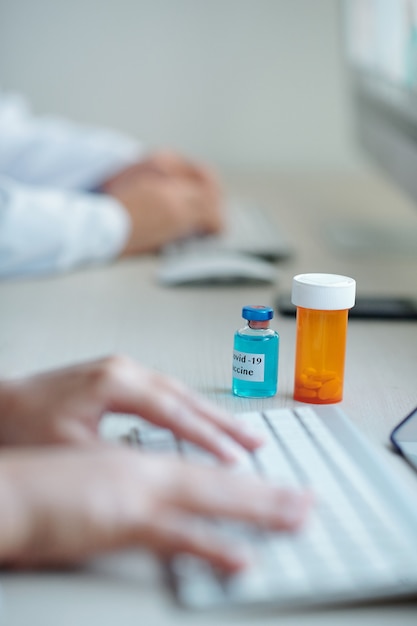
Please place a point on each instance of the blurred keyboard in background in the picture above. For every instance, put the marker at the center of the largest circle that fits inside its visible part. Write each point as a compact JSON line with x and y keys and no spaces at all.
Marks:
{"x":249,"y":230}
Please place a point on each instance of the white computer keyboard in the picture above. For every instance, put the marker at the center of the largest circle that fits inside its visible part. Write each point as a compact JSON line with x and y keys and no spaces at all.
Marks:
{"x":360,"y":541}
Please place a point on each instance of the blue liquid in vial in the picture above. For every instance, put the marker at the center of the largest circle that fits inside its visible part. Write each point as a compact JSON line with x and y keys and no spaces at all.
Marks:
{"x":257,"y":343}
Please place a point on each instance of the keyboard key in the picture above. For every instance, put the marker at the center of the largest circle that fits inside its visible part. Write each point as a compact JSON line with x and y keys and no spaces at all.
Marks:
{"x":353,"y":546}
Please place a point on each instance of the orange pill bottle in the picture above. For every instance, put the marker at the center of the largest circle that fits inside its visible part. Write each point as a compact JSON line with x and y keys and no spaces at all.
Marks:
{"x":323,"y":302}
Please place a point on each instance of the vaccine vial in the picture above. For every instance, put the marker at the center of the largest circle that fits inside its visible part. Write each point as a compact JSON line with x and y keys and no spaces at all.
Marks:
{"x":323,"y":302}
{"x":255,"y":355}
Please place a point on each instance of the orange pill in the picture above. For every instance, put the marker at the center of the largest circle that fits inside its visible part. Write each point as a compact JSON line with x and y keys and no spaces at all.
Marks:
{"x":330,"y":390}
{"x":306,"y":394}
{"x":310,"y":383}
{"x":324,"y":376}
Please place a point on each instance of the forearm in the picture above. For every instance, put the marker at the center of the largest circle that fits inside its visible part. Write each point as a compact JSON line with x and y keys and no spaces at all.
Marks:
{"x":48,"y":230}
{"x":53,"y":151}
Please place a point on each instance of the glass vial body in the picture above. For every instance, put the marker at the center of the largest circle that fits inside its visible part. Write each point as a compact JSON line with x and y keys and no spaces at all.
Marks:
{"x":255,"y":355}
{"x":323,"y":302}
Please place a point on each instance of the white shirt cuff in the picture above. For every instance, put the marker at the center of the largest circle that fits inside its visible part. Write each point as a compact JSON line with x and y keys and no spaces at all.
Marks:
{"x":46,"y":230}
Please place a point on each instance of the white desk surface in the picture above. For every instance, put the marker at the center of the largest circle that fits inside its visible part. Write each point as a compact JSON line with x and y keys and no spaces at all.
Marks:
{"x":188,"y":332}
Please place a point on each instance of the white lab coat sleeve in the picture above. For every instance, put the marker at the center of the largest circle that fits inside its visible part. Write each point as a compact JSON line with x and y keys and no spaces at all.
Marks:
{"x":45,"y":230}
{"x":56,"y":152}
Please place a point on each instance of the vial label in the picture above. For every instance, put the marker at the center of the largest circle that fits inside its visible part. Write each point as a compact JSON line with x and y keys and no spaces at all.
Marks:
{"x":249,"y":366}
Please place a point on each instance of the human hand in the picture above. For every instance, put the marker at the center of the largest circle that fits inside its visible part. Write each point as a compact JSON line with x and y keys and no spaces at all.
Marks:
{"x":168,"y":163}
{"x":167,"y":198}
{"x":62,"y":506}
{"x":66,"y":406}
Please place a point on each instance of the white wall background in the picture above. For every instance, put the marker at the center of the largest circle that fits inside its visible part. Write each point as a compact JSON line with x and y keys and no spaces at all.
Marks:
{"x":257,"y":83}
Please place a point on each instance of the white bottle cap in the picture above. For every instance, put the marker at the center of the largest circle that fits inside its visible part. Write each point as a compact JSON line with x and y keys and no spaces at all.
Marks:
{"x":324,"y":292}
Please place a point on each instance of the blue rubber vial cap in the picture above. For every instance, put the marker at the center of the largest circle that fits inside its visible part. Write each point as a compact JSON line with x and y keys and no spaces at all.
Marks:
{"x":257,"y":313}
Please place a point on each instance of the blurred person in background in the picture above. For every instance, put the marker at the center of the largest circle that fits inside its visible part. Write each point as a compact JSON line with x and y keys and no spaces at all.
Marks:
{"x":72,"y":195}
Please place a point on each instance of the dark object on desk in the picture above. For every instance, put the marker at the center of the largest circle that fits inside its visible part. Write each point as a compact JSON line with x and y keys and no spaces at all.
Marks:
{"x":404,"y":438}
{"x":366,"y":307}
